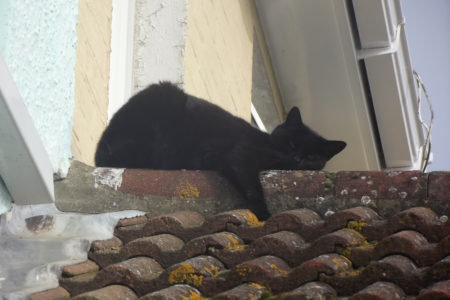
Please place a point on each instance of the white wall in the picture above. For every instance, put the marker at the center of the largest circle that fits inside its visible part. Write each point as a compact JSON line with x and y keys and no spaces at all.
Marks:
{"x":428,"y":34}
{"x":37,"y":42}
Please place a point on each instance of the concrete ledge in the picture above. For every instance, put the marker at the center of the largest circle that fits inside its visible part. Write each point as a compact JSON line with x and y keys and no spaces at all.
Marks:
{"x":385,"y":192}
{"x":97,"y":190}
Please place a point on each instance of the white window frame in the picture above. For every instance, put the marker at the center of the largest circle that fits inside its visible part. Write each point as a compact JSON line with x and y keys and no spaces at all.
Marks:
{"x":24,"y":164}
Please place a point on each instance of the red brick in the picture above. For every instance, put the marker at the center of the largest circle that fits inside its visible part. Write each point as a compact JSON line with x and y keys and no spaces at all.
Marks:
{"x":439,"y":290}
{"x":81,"y":268}
{"x":118,"y":292}
{"x":380,"y":291}
{"x":311,"y":290}
{"x":53,"y":294}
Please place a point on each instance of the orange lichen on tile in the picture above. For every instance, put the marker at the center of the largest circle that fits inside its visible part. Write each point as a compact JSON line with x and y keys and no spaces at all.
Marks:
{"x":251,"y":218}
{"x":187,"y":191}
{"x":281,"y":271}
{"x":243,"y":271}
{"x":234,"y":243}
{"x":356,"y":225}
{"x":185,"y":273}
{"x":193,"y":296}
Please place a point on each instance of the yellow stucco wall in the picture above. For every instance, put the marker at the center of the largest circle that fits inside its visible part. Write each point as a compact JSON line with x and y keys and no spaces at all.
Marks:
{"x":91,"y":77}
{"x":219,"y":53}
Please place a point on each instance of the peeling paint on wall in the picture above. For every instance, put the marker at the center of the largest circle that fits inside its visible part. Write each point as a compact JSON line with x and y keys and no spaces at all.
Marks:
{"x":108,"y":177}
{"x":160,"y":29}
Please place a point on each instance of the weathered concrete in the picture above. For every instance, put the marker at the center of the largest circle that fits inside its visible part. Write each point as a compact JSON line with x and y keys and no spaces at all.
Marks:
{"x":95,"y":190}
{"x":385,"y":192}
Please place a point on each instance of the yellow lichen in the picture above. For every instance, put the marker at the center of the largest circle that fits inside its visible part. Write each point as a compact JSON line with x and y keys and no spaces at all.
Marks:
{"x":212,"y":270}
{"x":356,"y":225}
{"x":351,"y":272}
{"x":193,"y":296}
{"x":233,"y":244}
{"x":251,"y":218}
{"x":256,"y":285}
{"x":187,"y":191}
{"x":185,"y":273}
{"x":243,"y":271}
{"x":281,"y":271}
{"x":340,"y":263}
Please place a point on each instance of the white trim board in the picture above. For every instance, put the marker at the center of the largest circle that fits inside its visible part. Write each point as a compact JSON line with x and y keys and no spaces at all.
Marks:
{"x":121,"y":59}
{"x":24,"y":164}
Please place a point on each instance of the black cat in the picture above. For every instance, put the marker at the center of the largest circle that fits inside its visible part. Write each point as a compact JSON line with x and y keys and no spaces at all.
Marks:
{"x":162,"y":127}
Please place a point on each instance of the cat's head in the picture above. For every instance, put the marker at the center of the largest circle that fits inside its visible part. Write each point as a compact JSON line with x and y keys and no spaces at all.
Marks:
{"x":303,"y":148}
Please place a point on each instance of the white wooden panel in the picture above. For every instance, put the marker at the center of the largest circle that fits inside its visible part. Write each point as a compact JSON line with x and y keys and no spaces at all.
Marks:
{"x":24,"y":164}
{"x":375,"y":24}
{"x":387,"y":97}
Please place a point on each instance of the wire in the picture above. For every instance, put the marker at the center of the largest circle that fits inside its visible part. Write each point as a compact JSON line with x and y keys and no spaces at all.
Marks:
{"x":427,"y":127}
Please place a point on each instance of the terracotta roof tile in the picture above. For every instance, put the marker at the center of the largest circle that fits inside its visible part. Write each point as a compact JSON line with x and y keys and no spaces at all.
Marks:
{"x":439,"y":290}
{"x":311,"y":290}
{"x":109,"y":292}
{"x":175,"y":292}
{"x":380,"y":291}
{"x":352,"y":253}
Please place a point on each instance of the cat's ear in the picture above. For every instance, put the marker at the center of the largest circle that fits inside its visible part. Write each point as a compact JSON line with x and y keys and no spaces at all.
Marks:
{"x":331,"y":148}
{"x":294,"y":118}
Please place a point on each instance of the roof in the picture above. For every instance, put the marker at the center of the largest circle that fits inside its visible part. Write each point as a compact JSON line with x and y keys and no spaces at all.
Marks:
{"x":295,"y":254}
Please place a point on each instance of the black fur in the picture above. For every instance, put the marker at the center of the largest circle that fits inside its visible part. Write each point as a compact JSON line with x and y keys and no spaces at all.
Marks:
{"x":161,"y":127}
